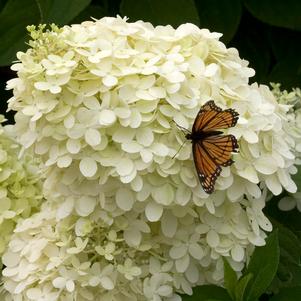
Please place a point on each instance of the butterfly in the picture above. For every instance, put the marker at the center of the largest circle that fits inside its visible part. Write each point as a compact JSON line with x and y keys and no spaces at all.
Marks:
{"x":211,"y":149}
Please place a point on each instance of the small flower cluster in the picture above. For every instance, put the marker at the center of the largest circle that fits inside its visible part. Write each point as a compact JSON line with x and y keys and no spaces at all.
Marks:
{"x":124,"y":218}
{"x":293,"y":129}
{"x":20,"y":186}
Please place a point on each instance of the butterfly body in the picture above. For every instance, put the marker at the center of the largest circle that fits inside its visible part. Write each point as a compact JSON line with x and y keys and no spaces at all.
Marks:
{"x":210,"y":147}
{"x":200,"y":135}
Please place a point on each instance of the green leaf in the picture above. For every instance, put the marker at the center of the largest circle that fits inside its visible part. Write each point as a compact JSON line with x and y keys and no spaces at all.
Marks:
{"x":6,"y":74}
{"x":220,"y":15}
{"x":288,"y":294}
{"x":289,"y":269}
{"x":252,"y":43}
{"x":207,"y":293}
{"x":230,"y":279}
{"x":297,"y":178}
{"x":286,"y":47}
{"x":290,"y":245}
{"x":241,"y":287}
{"x":290,"y":219}
{"x":288,"y":275}
{"x":17,"y":14}
{"x":14,"y":18}
{"x":60,"y":12}
{"x":276,"y":12}
{"x":2,"y":4}
{"x":160,"y":12}
{"x":287,"y":71}
{"x":92,"y":11}
{"x":284,"y":42}
{"x":263,"y":266}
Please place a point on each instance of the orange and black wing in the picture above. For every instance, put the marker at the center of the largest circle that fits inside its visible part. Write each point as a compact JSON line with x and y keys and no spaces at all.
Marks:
{"x":211,"y":118}
{"x":208,"y":170}
{"x":220,"y":148}
{"x":209,"y":155}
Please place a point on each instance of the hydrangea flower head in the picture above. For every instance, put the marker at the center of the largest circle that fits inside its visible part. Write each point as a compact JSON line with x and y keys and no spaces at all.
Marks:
{"x":124,"y":219}
{"x":292,"y":125}
{"x":20,"y":185}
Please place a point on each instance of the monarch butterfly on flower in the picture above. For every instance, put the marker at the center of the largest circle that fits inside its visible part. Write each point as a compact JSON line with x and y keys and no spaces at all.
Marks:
{"x":210,"y":148}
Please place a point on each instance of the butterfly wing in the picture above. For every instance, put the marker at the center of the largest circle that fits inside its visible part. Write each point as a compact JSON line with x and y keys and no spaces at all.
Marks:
{"x":209,"y":155}
{"x":212,"y":151}
{"x":220,"y":148}
{"x":211,"y":118}
{"x":208,"y":170}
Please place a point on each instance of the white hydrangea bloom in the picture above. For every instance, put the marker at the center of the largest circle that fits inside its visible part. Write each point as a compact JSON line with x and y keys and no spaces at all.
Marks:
{"x":124,"y":219}
{"x":292,"y":100}
{"x":291,"y":201}
{"x":20,"y":185}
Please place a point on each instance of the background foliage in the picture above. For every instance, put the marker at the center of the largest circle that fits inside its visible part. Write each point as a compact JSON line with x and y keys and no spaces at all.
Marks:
{"x":267,"y":33}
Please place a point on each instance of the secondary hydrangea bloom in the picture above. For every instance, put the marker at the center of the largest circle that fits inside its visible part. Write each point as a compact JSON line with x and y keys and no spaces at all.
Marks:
{"x":20,"y":189}
{"x":293,"y":128}
{"x":124,"y":219}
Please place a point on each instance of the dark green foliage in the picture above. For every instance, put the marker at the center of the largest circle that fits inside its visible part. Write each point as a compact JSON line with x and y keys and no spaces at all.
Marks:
{"x":17,"y":14}
{"x":235,"y":287}
{"x":288,"y":294}
{"x":277,"y":12}
{"x":160,"y":12}
{"x":252,"y":42}
{"x":14,"y":18}
{"x":297,"y":179}
{"x":230,"y":279}
{"x":220,"y":15}
{"x":60,"y":12}
{"x":263,"y":267}
{"x":208,"y":293}
{"x":289,"y":269}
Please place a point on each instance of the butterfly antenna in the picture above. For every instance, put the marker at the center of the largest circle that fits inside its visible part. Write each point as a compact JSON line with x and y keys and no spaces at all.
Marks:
{"x":184,"y":130}
{"x":178,"y":150}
